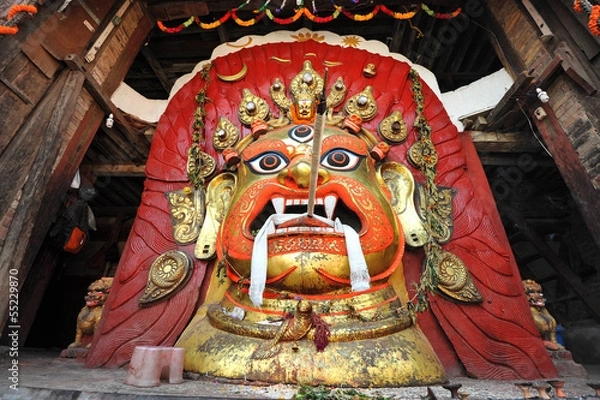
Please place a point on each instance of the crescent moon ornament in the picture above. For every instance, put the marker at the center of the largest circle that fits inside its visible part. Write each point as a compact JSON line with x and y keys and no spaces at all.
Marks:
{"x":235,"y":77}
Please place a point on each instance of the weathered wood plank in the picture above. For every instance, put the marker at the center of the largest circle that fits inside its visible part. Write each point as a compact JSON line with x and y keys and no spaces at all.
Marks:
{"x":498,"y":38}
{"x":33,"y":84}
{"x":507,"y":102}
{"x":124,"y":170}
{"x":18,"y":243}
{"x":506,"y":142}
{"x":143,"y":25}
{"x":539,"y":20}
{"x":17,"y":160}
{"x":167,"y":11}
{"x":11,"y":48}
{"x":40,"y":56}
{"x":139,"y":144}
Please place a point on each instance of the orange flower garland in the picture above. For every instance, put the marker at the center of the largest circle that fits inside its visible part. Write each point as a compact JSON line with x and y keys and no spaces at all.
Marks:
{"x":21,"y":8}
{"x":303,"y":11}
{"x":594,"y":14}
{"x":593,"y":24}
{"x":14,"y":10}
{"x":399,"y":15}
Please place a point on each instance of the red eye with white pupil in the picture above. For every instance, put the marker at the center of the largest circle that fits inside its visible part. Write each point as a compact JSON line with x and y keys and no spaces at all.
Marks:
{"x":340,"y":160}
{"x":268,"y":163}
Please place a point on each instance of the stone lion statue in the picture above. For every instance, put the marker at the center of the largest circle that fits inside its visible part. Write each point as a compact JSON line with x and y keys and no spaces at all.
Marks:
{"x":90,"y":314}
{"x":545,"y":322}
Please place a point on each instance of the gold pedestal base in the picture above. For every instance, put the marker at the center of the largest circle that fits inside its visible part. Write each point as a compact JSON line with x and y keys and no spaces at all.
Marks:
{"x":404,"y":358}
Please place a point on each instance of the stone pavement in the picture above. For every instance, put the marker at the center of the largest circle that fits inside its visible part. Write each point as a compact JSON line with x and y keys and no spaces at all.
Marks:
{"x":42,"y":375}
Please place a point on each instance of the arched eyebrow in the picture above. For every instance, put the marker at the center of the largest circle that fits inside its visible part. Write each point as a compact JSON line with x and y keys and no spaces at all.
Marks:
{"x":351,"y":143}
{"x":263,"y":146}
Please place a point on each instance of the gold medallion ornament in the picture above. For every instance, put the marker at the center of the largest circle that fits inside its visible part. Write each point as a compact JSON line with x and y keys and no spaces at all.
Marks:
{"x":252,"y":108}
{"x":423,"y":154}
{"x":362,"y":104}
{"x":226,"y":135}
{"x":187,"y":213}
{"x":455,"y":280}
{"x":393,"y":128}
{"x":168,"y":273}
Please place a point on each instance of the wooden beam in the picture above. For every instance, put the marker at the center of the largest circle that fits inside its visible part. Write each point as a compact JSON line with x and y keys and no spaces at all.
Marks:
{"x":507,"y":104}
{"x":539,"y":21}
{"x":122,"y":170}
{"x":170,"y":10}
{"x":157,"y":69}
{"x":505,"y":142}
{"x":560,"y":267}
{"x":22,"y":241}
{"x":586,"y":196}
{"x":139,"y":142}
{"x":507,"y":54}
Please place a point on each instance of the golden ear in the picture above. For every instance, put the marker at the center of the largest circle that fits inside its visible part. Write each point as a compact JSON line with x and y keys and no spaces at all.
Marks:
{"x":218,"y":198}
{"x":401,"y":183}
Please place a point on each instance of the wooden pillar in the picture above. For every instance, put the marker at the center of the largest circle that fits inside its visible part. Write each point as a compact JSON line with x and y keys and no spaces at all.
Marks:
{"x":23,"y":239}
{"x":571,"y":130}
{"x":48,"y":144}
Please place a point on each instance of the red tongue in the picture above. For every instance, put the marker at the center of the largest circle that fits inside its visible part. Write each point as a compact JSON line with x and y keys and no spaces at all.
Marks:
{"x":304,"y":221}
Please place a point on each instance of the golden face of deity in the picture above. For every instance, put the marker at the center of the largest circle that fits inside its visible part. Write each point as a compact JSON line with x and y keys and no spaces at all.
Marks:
{"x":308,"y":255}
{"x":304,"y":111}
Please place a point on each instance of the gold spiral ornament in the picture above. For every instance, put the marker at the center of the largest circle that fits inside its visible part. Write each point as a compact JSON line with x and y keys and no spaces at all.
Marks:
{"x":168,"y":274}
{"x":455,"y":280}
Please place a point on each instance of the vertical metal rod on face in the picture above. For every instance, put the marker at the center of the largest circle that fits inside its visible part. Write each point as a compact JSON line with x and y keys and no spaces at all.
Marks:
{"x":316,"y":147}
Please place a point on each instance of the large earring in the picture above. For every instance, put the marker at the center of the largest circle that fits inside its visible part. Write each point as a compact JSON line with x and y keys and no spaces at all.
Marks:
{"x":401,"y":183}
{"x":218,"y":198}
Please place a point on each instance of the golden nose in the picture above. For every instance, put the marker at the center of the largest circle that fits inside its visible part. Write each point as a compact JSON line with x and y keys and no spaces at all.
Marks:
{"x":299,"y":172}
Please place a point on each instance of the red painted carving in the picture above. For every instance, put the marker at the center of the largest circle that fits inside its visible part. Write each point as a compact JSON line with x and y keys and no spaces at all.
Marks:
{"x":496,"y":339}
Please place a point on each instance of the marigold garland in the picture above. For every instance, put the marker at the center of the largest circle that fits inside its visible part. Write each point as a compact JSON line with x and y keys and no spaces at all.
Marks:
{"x":12,"y":13}
{"x":304,"y":11}
{"x":434,"y":14}
{"x":247,"y":23}
{"x":399,"y":15}
{"x":359,"y":17}
{"x":593,"y":12}
{"x":8,"y":30}
{"x":594,"y":23}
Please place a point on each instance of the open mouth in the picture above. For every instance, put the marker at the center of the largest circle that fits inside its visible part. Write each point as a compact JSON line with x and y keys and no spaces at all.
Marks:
{"x":329,"y":207}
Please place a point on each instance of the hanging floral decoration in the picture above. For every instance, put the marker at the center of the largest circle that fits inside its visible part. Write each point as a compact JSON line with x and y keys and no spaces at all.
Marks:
{"x":593,"y":11}
{"x":16,"y":13}
{"x":195,"y":173}
{"x":305,"y":12}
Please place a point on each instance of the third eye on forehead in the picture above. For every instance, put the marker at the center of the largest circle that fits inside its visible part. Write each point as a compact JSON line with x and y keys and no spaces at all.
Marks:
{"x":301,"y":133}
